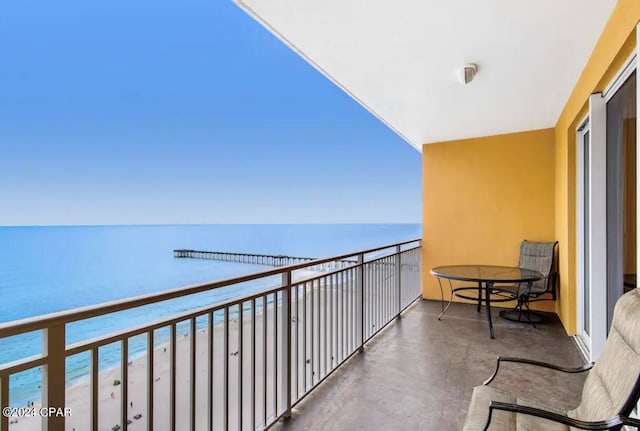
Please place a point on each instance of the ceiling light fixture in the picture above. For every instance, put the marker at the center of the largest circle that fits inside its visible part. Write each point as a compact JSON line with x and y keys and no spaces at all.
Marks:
{"x":467,"y":73}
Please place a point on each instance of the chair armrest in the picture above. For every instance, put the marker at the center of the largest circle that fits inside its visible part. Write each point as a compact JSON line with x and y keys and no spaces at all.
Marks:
{"x":616,"y":421}
{"x":580,"y":369}
{"x":632,"y":422}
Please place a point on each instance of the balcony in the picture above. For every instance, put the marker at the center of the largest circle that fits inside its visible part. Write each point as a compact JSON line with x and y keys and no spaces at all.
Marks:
{"x":338,"y":343}
{"x":418,"y":374}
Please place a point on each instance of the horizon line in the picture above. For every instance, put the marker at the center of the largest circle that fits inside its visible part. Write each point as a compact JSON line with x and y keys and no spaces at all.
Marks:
{"x":199,"y":224}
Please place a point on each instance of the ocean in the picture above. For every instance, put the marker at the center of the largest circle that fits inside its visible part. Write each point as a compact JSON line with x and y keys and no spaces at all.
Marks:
{"x":55,"y":268}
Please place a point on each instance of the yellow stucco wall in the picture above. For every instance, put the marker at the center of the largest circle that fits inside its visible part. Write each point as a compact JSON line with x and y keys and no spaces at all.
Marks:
{"x":482,"y":197}
{"x":614,"y":47}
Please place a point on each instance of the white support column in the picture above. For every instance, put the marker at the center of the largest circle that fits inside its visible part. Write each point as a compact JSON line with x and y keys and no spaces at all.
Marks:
{"x":598,"y":223}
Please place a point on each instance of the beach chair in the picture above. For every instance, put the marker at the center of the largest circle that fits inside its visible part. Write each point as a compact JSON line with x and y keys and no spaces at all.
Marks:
{"x":609,"y":395}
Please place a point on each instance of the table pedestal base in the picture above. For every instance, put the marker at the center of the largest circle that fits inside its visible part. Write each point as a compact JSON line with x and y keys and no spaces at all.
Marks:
{"x":522,"y":316}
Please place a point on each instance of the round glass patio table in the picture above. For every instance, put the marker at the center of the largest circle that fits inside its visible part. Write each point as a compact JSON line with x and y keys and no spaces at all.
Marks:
{"x":485,"y":276}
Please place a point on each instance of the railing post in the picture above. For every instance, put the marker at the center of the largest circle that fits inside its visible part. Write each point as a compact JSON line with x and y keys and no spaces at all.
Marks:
{"x":4,"y":402}
{"x":53,"y":376}
{"x":420,"y":268}
{"x":360,"y":302}
{"x":399,"y":278}
{"x":285,"y":353}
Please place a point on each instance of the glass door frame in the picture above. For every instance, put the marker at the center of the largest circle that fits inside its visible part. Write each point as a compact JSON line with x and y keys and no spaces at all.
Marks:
{"x":596,"y":206}
{"x":583,"y":156}
{"x":596,"y":124}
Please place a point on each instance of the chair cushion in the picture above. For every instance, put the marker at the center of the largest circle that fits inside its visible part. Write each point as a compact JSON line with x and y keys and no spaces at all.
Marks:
{"x":479,"y":410}
{"x":606,"y":389}
{"x":532,"y":423}
{"x":501,"y":420}
{"x":612,"y":378}
{"x":539,"y":257}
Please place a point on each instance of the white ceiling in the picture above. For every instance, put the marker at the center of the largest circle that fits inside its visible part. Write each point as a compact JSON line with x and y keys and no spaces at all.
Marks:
{"x":398,"y":58}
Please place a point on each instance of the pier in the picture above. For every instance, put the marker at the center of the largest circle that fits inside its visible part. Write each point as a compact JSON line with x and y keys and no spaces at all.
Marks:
{"x":258,"y":259}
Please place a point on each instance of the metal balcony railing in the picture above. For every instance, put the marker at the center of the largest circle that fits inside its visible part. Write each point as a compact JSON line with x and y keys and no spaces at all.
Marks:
{"x":250,"y":359}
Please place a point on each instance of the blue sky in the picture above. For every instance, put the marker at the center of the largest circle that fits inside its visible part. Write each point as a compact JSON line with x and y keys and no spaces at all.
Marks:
{"x":136,"y":112}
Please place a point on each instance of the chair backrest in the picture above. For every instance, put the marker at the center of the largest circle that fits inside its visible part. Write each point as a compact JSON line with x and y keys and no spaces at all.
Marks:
{"x":613,"y":384}
{"x":539,"y":256}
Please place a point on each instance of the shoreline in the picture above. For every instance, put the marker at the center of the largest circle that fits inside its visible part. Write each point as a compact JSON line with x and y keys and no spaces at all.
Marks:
{"x":78,"y":395}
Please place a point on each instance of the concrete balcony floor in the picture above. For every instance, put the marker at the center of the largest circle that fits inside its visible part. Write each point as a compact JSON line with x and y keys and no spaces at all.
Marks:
{"x":418,"y":373}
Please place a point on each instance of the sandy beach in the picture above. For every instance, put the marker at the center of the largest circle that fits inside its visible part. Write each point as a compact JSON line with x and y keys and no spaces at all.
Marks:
{"x":110,"y":396}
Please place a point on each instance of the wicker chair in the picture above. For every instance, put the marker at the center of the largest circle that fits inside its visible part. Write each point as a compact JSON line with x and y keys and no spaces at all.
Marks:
{"x":609,"y":395}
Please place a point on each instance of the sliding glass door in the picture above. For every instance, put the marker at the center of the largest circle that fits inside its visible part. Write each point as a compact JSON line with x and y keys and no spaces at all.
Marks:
{"x":621,"y":192}
{"x":606,"y":216}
